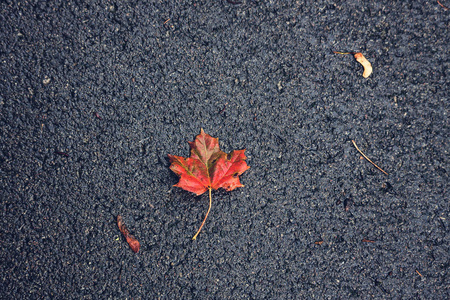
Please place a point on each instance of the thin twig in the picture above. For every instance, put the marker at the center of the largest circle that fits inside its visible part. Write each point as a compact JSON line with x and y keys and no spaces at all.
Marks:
{"x":368,"y":241}
{"x":141,"y":141}
{"x":337,"y":52}
{"x":445,"y":7}
{"x":368,"y":158}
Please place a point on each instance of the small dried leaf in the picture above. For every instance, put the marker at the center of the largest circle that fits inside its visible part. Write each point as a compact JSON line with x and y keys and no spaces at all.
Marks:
{"x":131,"y":240}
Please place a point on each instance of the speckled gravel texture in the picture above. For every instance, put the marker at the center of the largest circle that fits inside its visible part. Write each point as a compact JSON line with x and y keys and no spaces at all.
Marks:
{"x":95,"y":94}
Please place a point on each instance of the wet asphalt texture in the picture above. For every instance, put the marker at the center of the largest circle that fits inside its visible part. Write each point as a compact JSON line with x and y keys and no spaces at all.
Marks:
{"x":94,"y":95}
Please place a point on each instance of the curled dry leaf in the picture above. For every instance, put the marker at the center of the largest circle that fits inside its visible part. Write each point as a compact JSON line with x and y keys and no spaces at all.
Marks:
{"x":208,"y":168}
{"x":366,"y":64}
{"x":131,"y":240}
{"x":362,"y":60}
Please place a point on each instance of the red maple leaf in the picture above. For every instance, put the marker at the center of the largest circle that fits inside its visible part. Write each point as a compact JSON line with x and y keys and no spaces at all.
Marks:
{"x":208,"y":168}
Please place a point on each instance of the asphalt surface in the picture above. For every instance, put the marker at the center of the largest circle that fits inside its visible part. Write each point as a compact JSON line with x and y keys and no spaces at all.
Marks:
{"x":94,"y":96}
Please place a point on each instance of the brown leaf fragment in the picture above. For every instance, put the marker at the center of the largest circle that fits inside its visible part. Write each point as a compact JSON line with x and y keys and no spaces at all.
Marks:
{"x":318,"y":242}
{"x":96,"y":114}
{"x":131,"y":240}
{"x":347,"y":204}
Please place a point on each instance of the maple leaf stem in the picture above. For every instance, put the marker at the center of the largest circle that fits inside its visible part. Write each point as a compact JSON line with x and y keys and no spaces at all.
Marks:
{"x":203,"y":223}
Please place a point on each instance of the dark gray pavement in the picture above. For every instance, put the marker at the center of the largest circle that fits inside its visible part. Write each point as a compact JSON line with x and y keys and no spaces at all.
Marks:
{"x":95,"y":94}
